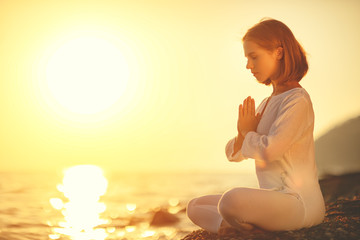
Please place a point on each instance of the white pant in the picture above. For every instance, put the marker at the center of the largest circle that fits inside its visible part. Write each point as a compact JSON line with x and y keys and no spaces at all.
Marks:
{"x":267,"y":209}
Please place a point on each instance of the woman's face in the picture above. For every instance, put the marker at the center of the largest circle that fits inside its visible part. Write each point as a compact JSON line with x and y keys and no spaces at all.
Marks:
{"x":263,"y":64}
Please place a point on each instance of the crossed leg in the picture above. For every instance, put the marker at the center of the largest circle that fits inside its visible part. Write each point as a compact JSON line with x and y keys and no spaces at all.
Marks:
{"x":203,"y":211}
{"x":267,"y":209}
{"x":239,"y":207}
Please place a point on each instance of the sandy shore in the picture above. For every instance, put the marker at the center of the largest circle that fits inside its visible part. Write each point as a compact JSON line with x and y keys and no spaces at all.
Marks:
{"x":342,"y":220}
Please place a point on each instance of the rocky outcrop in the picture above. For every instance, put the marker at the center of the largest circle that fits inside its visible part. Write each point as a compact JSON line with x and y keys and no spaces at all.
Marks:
{"x":338,"y":151}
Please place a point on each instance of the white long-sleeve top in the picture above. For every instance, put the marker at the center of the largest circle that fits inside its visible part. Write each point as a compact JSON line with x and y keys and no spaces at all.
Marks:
{"x":283,"y":150}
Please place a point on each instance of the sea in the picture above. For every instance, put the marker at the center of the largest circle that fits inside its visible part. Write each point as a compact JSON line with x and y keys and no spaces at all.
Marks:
{"x":84,"y":202}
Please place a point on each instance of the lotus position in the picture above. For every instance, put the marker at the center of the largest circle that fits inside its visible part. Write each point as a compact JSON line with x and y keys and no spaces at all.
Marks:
{"x":278,"y":137}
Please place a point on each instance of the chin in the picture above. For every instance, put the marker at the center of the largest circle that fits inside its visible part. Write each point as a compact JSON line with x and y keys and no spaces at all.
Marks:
{"x":260,"y":80}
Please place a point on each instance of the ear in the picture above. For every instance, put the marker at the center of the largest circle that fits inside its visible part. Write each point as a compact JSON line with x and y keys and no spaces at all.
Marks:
{"x":279,"y":53}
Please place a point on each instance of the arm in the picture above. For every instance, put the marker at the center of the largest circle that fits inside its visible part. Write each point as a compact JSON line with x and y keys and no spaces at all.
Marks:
{"x":239,"y":139}
{"x":232,"y":149}
{"x":247,"y":121}
{"x":295,"y":118}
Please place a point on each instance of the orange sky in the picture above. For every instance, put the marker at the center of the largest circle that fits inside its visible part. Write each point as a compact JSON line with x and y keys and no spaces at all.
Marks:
{"x":187,"y":78}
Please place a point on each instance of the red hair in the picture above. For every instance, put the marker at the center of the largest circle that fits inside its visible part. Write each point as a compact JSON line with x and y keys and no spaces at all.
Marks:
{"x":271,"y":34}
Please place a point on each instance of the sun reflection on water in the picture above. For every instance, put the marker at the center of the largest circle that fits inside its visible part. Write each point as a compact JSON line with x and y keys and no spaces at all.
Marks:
{"x":82,"y":185}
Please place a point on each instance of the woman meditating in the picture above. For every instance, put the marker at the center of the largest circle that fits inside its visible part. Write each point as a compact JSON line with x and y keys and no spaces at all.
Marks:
{"x":278,"y":136}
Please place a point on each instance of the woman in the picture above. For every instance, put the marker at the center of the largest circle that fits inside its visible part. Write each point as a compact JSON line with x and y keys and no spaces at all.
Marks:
{"x":278,"y":135}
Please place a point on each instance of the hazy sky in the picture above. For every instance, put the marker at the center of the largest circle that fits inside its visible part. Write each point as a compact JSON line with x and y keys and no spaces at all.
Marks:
{"x":187,"y":78}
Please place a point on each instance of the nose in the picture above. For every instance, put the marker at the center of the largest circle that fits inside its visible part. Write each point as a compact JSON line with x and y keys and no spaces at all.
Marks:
{"x":249,"y":65}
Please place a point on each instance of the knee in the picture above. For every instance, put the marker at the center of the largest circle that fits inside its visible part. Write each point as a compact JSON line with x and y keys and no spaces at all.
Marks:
{"x":225,"y":204}
{"x":231,"y":203}
{"x":190,"y":207}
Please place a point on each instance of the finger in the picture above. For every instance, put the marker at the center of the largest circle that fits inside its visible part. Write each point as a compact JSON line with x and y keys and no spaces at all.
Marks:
{"x":245,"y":107}
{"x":248,"y":105}
{"x":258,"y":117}
{"x":252,"y":107}
{"x":241,"y":113}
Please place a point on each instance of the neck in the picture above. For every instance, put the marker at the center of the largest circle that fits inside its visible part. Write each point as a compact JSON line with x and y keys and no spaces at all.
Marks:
{"x":283,"y":87}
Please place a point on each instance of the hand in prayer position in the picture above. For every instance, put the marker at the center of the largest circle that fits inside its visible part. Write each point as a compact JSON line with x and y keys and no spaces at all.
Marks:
{"x":247,"y":120}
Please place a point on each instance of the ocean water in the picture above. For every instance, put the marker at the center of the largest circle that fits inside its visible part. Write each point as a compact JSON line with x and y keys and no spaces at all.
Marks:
{"x":109,"y":206}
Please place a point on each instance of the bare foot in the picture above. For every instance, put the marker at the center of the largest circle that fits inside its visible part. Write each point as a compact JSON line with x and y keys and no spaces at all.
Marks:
{"x":226,"y":229}
{"x":251,"y":228}
{"x":246,"y":228}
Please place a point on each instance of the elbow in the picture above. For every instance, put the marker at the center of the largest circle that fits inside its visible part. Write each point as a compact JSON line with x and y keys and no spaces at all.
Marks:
{"x":267,"y":151}
{"x":235,"y":157}
{"x":269,"y":155}
{"x":232,"y":154}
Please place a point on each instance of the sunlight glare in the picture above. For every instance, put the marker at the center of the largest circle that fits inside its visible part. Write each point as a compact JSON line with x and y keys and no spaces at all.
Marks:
{"x":56,"y":203}
{"x":83,"y":185}
{"x":131,"y":207}
{"x":54,"y":236}
{"x":148,"y":233}
{"x":87,"y":75}
{"x":173,"y":202}
{"x":130,"y":228}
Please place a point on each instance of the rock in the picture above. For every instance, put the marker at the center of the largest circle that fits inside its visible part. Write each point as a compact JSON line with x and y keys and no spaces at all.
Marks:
{"x":337,"y":152}
{"x":335,"y":187}
{"x":163,"y":217}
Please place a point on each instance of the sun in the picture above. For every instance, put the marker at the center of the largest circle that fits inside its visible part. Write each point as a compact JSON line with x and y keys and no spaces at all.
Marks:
{"x":87,"y":75}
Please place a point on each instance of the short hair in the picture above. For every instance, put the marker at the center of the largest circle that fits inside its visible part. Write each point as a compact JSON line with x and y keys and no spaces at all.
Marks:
{"x":271,"y":34}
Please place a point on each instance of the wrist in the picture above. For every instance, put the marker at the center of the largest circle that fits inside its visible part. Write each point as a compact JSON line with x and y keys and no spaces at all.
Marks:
{"x":239,"y":137}
{"x":243,"y":133}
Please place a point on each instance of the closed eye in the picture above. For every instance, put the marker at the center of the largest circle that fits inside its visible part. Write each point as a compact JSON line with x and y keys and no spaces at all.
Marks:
{"x":252,"y":57}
